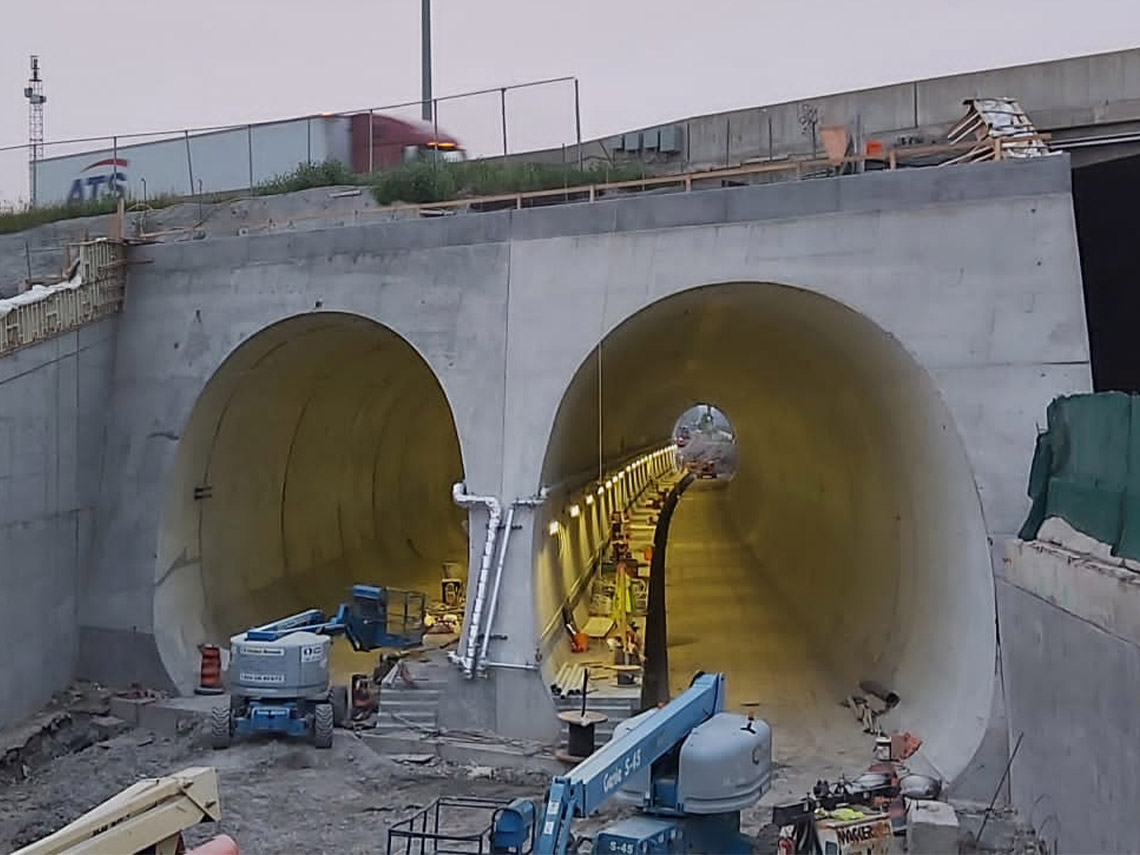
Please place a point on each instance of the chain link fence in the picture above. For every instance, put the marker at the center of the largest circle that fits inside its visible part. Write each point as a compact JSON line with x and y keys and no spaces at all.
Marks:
{"x":345,"y":146}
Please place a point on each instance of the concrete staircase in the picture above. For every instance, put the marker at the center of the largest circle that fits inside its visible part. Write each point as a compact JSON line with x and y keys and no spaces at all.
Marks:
{"x":405,"y":708}
{"x":615,"y":707}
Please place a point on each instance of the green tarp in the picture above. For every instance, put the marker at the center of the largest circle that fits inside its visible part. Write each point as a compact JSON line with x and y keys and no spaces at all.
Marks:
{"x":1086,"y":470}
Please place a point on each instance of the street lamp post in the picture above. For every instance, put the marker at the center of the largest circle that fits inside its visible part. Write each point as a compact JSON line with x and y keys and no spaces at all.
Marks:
{"x":425,"y":58}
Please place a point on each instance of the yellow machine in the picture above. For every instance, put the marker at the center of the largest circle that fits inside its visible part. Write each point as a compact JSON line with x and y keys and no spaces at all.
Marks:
{"x":149,"y":816}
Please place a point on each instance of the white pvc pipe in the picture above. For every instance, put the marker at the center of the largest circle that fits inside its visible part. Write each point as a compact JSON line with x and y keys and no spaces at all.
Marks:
{"x":462,"y":498}
{"x":495,"y":587}
{"x":533,"y":501}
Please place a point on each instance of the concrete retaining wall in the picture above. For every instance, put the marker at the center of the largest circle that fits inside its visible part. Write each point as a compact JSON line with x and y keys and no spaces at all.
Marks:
{"x":1069,"y":98}
{"x":1070,"y":644}
{"x":53,"y":399}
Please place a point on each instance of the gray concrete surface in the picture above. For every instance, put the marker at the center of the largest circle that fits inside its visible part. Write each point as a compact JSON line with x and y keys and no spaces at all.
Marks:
{"x":1070,"y":98}
{"x":937,"y":310}
{"x":53,"y":399}
{"x":40,"y":252}
{"x":1071,"y":690}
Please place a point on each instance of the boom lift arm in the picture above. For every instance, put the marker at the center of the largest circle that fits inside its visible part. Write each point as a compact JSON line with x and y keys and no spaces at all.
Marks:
{"x":593,"y":781}
{"x":364,"y":621}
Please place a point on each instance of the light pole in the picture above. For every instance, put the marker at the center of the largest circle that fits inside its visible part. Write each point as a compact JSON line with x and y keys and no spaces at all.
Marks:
{"x":425,"y":58}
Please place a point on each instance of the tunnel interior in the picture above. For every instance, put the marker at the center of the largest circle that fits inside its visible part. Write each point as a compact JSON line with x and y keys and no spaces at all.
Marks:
{"x":706,"y":441}
{"x":319,"y":455}
{"x":848,"y":546}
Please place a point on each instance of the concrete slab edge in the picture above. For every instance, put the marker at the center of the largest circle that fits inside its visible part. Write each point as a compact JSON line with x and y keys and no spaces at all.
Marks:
{"x":1105,"y":595}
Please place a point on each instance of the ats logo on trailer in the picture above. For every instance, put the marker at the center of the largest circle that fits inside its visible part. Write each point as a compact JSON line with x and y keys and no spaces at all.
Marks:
{"x":87,"y":188}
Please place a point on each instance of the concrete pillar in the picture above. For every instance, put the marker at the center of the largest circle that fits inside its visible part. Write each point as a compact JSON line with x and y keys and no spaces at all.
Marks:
{"x":510,"y":697}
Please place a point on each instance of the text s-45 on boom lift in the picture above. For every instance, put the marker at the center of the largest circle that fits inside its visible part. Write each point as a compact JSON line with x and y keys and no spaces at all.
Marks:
{"x":278,"y":676}
{"x":689,"y":766}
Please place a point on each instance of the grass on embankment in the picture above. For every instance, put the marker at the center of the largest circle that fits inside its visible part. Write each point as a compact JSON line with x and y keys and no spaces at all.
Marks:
{"x":411,"y":183}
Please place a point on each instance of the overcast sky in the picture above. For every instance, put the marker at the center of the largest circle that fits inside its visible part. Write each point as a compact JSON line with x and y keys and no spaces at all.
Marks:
{"x":145,"y":65}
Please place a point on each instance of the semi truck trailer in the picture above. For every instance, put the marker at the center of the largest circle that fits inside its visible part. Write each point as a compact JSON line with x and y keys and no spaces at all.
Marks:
{"x":239,"y":158}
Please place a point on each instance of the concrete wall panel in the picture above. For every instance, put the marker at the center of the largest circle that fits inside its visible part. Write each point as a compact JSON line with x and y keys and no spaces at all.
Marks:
{"x":1072,"y":690}
{"x":52,"y":413}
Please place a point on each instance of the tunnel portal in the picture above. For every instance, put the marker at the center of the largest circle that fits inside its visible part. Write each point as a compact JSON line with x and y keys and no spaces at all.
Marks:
{"x":850,"y":543}
{"x":321,"y":453}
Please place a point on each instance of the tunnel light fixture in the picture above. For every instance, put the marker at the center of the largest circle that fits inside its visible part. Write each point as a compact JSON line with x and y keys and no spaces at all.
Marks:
{"x":602,"y":488}
{"x":609,"y":485}
{"x":575,"y":510}
{"x":553,"y":529}
{"x":590,"y":498}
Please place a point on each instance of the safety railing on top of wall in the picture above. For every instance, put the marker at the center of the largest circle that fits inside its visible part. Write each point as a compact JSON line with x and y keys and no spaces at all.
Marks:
{"x":93,"y":290}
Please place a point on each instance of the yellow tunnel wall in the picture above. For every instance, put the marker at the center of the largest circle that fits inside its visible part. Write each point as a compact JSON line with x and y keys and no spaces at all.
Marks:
{"x":852,"y":490}
{"x":563,"y":559}
{"x":329,"y":449}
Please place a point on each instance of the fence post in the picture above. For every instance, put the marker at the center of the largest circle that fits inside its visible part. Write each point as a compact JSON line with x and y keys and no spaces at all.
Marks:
{"x":578,"y":123}
{"x":189,"y":162}
{"x":113,"y":184}
{"x":503,"y":115}
{"x":435,"y":131}
{"x":309,"y":140}
{"x":371,"y":145}
{"x":249,"y":146}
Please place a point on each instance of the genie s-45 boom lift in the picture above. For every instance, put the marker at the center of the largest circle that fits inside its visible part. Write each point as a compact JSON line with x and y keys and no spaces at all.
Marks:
{"x":278,"y":677}
{"x":689,"y":766}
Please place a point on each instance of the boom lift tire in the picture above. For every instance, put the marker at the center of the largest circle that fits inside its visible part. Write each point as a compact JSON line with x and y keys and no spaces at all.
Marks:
{"x":338,"y":697}
{"x":220,"y":727}
{"x":323,"y":726}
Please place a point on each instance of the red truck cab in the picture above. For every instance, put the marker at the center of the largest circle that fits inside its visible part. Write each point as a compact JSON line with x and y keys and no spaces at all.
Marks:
{"x":395,"y":141}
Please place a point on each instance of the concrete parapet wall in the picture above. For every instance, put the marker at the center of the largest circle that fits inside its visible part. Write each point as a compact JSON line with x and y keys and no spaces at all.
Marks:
{"x":53,"y":398}
{"x":1064,"y":96}
{"x":1070,"y":645}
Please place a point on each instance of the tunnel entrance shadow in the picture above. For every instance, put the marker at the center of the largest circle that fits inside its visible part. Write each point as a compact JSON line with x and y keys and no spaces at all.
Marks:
{"x":320,"y":453}
{"x":853,"y":506}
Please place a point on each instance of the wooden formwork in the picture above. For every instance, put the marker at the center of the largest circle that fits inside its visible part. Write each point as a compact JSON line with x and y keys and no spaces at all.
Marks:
{"x":93,"y":290}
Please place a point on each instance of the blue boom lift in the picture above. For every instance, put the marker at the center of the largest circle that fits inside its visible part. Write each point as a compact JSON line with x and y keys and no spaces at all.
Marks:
{"x":278,"y":677}
{"x":689,"y":766}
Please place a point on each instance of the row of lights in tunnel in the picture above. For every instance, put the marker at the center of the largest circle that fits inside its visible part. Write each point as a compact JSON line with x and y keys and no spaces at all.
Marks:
{"x":603,"y":488}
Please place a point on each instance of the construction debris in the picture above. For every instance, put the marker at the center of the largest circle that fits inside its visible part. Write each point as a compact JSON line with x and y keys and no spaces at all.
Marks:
{"x":1001,"y":129}
{"x":931,"y":826}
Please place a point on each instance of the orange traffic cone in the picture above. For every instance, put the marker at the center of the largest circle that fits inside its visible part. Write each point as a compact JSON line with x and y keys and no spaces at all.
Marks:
{"x":223,"y":844}
{"x":210,"y":681}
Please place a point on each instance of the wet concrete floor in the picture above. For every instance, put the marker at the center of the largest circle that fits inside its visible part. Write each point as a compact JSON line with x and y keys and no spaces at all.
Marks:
{"x":723,"y":616}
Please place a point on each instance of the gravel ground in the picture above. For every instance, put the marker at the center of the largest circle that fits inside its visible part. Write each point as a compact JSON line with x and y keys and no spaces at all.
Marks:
{"x":277,"y":796}
{"x":282,"y":796}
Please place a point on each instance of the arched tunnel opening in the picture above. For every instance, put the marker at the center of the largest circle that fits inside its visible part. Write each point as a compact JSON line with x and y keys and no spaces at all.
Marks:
{"x":849,"y":544}
{"x":320,"y":454}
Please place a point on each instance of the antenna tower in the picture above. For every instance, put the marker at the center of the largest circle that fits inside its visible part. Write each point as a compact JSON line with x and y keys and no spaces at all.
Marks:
{"x":34,"y":92}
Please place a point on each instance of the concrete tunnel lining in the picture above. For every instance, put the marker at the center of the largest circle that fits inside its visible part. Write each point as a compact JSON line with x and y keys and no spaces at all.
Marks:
{"x":853,"y":492}
{"x":329,"y":449}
